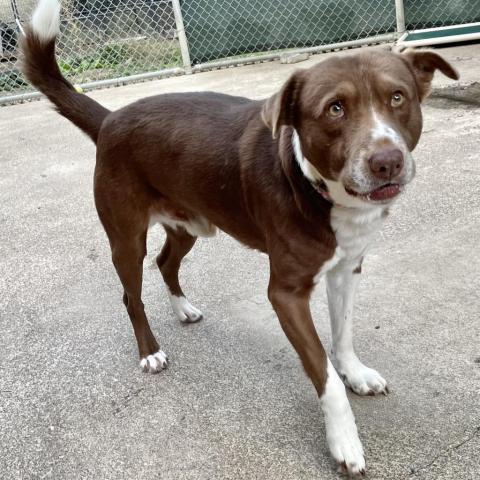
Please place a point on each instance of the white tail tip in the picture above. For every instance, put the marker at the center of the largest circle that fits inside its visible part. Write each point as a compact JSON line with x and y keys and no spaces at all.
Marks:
{"x":46,"y":19}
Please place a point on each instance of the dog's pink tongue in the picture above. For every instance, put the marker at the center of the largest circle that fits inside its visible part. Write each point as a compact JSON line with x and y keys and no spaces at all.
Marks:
{"x":384,"y":193}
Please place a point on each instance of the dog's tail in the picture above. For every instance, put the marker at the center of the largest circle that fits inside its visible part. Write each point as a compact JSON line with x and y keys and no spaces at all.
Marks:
{"x":42,"y":70}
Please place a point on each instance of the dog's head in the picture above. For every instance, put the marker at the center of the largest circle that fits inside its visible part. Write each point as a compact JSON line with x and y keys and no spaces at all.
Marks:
{"x":356,"y":120}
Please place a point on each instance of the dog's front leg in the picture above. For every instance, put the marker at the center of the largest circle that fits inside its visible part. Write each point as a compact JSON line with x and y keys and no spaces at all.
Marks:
{"x":342,"y":283}
{"x":292,"y":307}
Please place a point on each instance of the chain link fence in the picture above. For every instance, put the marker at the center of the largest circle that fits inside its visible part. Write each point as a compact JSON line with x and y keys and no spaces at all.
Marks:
{"x":114,"y":41}
{"x":100,"y":39}
{"x":421,"y":14}
{"x":239,"y":27}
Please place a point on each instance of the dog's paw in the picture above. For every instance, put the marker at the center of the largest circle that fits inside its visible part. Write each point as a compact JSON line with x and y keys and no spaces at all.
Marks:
{"x":362,"y":379}
{"x":184,"y":310}
{"x":342,"y":433}
{"x":346,"y":448}
{"x":154,"y":363}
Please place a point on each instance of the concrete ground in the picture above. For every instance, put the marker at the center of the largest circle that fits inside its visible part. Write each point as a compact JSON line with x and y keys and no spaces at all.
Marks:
{"x":235,"y":403}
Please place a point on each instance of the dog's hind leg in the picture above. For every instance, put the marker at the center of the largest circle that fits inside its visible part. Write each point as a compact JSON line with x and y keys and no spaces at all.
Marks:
{"x":128,"y":254}
{"x":126,"y":222}
{"x":178,"y":243}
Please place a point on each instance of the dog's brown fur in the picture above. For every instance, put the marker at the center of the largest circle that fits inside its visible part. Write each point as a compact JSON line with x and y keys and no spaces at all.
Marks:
{"x":212,"y":156}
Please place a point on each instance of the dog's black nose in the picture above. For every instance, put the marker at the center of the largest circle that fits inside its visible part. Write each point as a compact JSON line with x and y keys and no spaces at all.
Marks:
{"x":386,"y":164}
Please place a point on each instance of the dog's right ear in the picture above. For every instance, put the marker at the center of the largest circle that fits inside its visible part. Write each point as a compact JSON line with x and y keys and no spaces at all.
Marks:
{"x":279,"y":109}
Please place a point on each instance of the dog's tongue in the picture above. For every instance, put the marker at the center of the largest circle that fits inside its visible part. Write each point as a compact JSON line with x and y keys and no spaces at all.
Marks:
{"x":384,"y":193}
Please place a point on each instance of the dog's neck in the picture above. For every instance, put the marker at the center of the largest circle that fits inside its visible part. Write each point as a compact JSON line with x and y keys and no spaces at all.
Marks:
{"x":321,"y":187}
{"x":310,"y":173}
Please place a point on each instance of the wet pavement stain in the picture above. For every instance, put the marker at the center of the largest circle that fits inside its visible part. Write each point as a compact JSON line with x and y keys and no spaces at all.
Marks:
{"x":455,"y":97}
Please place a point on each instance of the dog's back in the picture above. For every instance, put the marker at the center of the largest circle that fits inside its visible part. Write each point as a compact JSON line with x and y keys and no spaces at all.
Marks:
{"x":306,"y":176}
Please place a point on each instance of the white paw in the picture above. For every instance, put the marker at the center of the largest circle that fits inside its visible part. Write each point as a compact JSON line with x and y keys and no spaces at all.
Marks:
{"x":345,"y":446}
{"x":184,"y":310}
{"x":154,"y":363}
{"x":342,"y":434}
{"x":361,"y":379}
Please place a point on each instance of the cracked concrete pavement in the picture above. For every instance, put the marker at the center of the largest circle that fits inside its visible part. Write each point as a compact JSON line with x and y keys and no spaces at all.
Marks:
{"x":235,"y":403}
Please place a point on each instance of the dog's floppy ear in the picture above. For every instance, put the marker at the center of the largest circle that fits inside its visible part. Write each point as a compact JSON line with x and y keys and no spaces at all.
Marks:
{"x":424,"y":63}
{"x":279,"y":109}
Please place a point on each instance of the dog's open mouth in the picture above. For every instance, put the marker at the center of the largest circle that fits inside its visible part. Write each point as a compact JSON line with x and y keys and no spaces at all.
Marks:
{"x":385,"y":192}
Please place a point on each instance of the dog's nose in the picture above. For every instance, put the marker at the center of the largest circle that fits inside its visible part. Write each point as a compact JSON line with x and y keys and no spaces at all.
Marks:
{"x":386,"y":164}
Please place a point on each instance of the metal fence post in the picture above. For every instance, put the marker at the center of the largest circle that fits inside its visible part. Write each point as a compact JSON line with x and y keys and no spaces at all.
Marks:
{"x":400,"y":12}
{"x":182,"y":38}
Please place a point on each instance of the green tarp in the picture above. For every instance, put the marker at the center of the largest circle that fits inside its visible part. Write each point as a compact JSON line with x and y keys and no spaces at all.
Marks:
{"x":440,"y":13}
{"x":222,"y":28}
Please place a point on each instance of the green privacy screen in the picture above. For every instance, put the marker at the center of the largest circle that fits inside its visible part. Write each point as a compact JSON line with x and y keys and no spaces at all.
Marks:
{"x":224,"y":28}
{"x":438,"y":13}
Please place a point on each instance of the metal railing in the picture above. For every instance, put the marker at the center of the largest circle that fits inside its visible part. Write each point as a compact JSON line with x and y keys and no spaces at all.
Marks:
{"x":105,"y":42}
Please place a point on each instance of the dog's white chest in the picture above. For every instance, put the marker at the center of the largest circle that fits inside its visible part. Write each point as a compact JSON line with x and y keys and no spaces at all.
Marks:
{"x":354,"y":230}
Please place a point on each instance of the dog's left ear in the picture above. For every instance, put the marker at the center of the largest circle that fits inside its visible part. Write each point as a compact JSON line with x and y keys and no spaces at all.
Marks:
{"x":279,"y":109}
{"x":424,"y":63}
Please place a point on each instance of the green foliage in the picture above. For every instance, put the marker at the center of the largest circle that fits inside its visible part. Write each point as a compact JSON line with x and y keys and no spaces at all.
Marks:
{"x":90,"y":63}
{"x":124,"y":59}
{"x":107,"y":57}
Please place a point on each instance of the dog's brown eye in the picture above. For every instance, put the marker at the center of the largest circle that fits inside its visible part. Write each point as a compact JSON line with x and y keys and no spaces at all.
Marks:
{"x":397,"y":99}
{"x":336,"y":110}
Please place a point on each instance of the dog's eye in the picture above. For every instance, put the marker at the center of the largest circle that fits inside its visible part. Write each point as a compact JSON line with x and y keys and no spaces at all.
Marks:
{"x":397,"y":99}
{"x":336,"y":110}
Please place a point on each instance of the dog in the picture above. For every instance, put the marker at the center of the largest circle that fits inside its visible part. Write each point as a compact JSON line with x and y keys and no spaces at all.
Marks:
{"x":306,"y":176}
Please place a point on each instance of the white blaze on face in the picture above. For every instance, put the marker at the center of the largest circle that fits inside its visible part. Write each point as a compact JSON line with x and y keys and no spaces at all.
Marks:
{"x":382,"y":130}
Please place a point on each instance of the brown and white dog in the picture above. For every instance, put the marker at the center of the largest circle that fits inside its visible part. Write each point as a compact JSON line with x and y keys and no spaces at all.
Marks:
{"x":306,"y":176}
